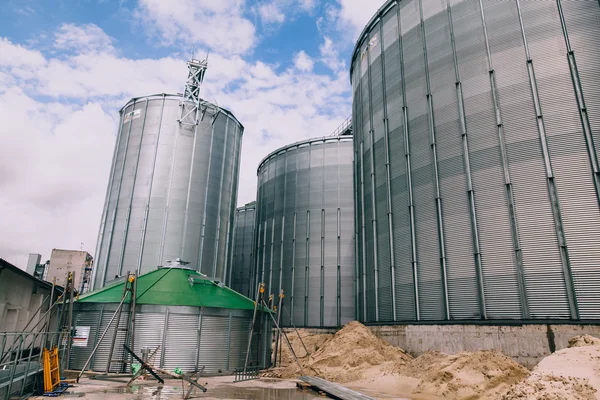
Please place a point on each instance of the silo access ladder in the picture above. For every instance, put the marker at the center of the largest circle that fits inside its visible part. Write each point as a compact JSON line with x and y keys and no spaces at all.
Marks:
{"x":128,"y":331}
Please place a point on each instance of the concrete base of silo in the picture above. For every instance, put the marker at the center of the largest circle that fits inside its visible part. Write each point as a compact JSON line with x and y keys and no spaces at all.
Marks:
{"x":526,"y":344}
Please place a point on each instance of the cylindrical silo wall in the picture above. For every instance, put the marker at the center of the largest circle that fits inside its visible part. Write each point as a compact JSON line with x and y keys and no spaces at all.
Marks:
{"x":186,"y":337}
{"x":241,"y":256}
{"x":476,"y":129}
{"x":171,"y":191}
{"x":305,"y":232}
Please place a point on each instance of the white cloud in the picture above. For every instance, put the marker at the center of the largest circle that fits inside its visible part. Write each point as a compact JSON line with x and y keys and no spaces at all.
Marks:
{"x":303,"y":62}
{"x":88,"y":38}
{"x":330,"y":56}
{"x":12,"y":55}
{"x":215,"y":24}
{"x":56,"y":167}
{"x":308,"y":5}
{"x":353,"y":15}
{"x":53,"y":173}
{"x":269,"y":13}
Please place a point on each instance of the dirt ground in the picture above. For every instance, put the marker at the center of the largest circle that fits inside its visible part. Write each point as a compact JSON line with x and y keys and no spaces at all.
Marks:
{"x":361,"y":361}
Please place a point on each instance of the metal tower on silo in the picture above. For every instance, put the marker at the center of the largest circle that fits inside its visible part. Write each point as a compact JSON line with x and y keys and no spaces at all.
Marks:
{"x":173,"y":184}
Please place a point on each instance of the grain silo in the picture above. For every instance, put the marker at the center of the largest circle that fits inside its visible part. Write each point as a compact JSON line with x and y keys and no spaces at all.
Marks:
{"x":241,"y":255}
{"x":476,"y":168}
{"x":173,"y":185}
{"x":185,"y":319}
{"x":305,"y":230}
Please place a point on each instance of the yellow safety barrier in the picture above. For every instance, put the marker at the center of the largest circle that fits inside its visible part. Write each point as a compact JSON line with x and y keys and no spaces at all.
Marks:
{"x":51,"y":370}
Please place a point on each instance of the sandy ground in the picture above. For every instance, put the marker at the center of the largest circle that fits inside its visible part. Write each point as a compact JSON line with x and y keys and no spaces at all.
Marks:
{"x":361,"y":361}
{"x":571,"y":373}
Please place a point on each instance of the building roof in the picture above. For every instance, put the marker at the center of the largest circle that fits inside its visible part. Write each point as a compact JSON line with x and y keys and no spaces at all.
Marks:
{"x":8,"y":266}
{"x":213,"y":108}
{"x":174,"y":287}
{"x":302,"y":143}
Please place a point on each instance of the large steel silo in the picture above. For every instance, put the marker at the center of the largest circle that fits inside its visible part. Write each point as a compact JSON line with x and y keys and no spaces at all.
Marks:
{"x":173,"y":186}
{"x":241,"y":256}
{"x":305,"y":231}
{"x":476,"y":127}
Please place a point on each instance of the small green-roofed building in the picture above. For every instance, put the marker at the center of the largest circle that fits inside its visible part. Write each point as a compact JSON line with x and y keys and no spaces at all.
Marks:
{"x":174,"y":287}
{"x":195,"y":322}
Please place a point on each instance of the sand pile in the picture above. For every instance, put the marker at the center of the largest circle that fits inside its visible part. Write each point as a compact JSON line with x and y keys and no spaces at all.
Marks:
{"x":357,"y":358}
{"x":352,"y":353}
{"x":313,"y":342}
{"x":572,"y":373}
{"x":583,"y":340}
{"x":483,"y":374}
{"x":550,"y":387}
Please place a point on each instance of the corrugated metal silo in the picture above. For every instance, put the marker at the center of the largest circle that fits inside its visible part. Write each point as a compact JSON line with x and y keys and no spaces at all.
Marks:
{"x":304,"y":230}
{"x":241,"y":255}
{"x":476,"y":130}
{"x":172,"y":187}
{"x":191,"y":320}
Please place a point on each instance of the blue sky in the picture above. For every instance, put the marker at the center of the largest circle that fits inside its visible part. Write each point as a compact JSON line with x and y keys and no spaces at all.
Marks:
{"x":67,"y":67}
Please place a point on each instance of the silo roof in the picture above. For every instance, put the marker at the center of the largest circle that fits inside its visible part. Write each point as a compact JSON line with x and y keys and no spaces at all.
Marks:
{"x":174,"y":287}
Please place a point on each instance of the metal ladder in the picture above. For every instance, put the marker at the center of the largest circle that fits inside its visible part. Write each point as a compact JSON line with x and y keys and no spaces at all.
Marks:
{"x":129,"y":288}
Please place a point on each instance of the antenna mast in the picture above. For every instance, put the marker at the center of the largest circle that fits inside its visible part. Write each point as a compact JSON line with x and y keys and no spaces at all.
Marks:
{"x":190,"y":102}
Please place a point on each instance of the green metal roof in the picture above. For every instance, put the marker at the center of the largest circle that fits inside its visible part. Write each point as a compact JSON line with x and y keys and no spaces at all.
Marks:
{"x":172,"y":287}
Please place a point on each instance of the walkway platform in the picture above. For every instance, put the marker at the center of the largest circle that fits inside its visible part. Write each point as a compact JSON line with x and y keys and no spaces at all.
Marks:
{"x":334,"y":390}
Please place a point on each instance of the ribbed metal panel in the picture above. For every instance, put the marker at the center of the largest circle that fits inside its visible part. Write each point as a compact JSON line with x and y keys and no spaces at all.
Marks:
{"x":100,"y":359}
{"x":181,"y":342}
{"x":541,"y":256}
{"x":238,"y":342}
{"x":428,"y":248}
{"x":79,"y":355}
{"x":493,"y":217}
{"x":213,"y":338}
{"x":306,"y":247}
{"x":582,"y":23}
{"x":399,"y":186}
{"x":149,"y":331}
{"x":171,"y":191}
{"x":504,"y":95}
{"x":463,"y":299}
{"x":241,"y":257}
{"x":213,"y":343}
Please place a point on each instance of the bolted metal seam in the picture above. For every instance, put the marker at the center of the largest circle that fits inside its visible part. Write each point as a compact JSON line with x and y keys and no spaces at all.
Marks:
{"x":411,"y":207}
{"x":203,"y":221}
{"x":293,"y":264}
{"x":373,"y":195}
{"x":388,"y":178}
{"x":504,"y":160}
{"x":553,"y":194}
{"x":234,"y":187}
{"x":436,"y":176}
{"x":128,"y":218}
{"x":189,"y":185}
{"x":356,"y":236}
{"x":147,"y":208}
{"x":363,"y":231}
{"x":104,"y":216}
{"x":468,"y":174}
{"x":221,"y":179}
{"x":583,"y":114}
{"x":114,"y":216}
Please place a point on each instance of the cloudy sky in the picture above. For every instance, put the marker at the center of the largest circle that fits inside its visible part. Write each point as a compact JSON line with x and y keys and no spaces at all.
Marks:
{"x":67,"y":66}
